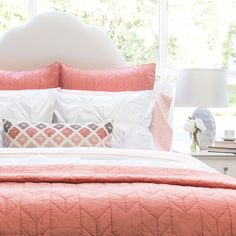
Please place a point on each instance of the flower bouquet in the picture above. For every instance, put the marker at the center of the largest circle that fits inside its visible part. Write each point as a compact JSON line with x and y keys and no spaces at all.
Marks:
{"x":194,"y":126}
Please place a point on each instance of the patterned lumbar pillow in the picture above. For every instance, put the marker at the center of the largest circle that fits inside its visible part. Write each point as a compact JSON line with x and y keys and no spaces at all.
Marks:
{"x":24,"y":134}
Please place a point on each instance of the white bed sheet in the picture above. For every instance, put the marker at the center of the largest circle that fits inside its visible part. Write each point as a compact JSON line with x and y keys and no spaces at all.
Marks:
{"x":103,"y":156}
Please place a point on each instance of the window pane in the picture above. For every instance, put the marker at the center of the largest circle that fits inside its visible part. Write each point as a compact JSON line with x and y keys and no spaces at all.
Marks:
{"x":132,"y":25}
{"x":12,"y":13}
{"x":232,"y":96}
{"x":202,"y":33}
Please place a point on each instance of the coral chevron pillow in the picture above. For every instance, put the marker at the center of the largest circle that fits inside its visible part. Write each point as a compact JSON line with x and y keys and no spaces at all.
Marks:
{"x":122,"y":79}
{"x":44,"y":78}
{"x":27,"y":135}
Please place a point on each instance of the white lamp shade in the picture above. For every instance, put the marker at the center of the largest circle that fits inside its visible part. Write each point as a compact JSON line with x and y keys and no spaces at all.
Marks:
{"x":201,"y":88}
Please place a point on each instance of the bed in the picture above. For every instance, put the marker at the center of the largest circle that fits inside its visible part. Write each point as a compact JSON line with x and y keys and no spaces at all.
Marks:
{"x":101,"y":191}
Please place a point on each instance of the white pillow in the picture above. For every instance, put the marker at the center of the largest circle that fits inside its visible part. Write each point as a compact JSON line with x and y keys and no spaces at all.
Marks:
{"x":26,"y":105}
{"x":131,"y":113}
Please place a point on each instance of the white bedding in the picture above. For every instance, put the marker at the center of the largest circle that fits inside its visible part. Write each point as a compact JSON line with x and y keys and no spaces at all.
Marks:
{"x":104,"y":156}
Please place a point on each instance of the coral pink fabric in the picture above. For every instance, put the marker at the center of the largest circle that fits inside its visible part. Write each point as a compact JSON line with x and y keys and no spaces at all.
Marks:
{"x":160,"y":127}
{"x":43,"y":78}
{"x":111,"y":200}
{"x":122,"y":79}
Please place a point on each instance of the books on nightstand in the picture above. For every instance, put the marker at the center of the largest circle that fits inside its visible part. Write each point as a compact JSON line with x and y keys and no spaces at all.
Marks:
{"x":223,"y":146}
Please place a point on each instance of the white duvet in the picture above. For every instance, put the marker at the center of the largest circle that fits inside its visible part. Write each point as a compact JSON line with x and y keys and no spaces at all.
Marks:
{"x":104,"y":156}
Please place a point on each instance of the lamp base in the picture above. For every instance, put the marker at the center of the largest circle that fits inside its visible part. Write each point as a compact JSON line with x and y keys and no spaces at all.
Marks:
{"x":206,"y":138}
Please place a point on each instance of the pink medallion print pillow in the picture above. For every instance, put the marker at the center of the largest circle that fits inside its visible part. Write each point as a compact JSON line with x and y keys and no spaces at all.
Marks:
{"x":27,"y":135}
{"x":136,"y":78}
{"x":44,"y":78}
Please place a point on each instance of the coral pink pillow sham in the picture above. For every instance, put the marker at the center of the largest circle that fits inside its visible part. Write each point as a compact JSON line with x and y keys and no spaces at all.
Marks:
{"x":122,"y":79}
{"x":44,"y":78}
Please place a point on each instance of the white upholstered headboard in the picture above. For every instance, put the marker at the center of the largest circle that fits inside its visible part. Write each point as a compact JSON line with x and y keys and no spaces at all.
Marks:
{"x":55,"y":36}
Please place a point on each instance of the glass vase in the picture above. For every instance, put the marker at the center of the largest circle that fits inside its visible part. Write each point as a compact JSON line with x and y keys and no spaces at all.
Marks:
{"x":194,"y":147}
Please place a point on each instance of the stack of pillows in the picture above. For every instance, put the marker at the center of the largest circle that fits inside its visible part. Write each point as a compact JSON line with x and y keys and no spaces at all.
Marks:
{"x":62,"y":106}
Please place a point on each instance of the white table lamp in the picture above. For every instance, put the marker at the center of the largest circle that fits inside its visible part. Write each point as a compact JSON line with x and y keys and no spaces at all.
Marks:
{"x":202,"y":88}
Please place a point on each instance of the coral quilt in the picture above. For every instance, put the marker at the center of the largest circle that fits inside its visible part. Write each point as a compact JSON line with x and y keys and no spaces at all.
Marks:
{"x":105,"y":200}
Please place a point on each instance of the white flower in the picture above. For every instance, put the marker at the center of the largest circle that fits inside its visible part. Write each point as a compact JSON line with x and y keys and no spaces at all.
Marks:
{"x":189,"y":126}
{"x":199,"y":124}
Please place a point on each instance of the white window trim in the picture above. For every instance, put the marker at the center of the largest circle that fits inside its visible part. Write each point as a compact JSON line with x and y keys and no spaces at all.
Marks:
{"x":163,"y":35}
{"x":32,"y":8}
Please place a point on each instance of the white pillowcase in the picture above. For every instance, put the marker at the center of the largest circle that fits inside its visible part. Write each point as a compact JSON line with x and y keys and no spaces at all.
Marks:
{"x":26,"y":105}
{"x":131,"y":113}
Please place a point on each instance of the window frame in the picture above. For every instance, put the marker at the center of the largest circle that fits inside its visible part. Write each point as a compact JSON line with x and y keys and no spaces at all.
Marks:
{"x":163,"y":37}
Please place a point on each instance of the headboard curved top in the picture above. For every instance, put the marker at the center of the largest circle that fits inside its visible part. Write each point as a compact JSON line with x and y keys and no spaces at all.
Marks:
{"x":55,"y":36}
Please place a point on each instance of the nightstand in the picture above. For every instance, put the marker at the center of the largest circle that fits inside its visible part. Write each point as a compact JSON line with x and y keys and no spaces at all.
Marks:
{"x":223,"y":162}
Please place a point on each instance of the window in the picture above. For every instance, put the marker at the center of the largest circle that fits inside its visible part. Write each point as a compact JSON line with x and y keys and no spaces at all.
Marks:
{"x":199,"y":33}
{"x":132,"y":25}
{"x":202,"y":33}
{"x":12,"y":13}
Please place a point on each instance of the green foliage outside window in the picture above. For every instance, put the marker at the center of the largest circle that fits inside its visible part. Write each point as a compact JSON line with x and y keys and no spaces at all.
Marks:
{"x":12,"y":14}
